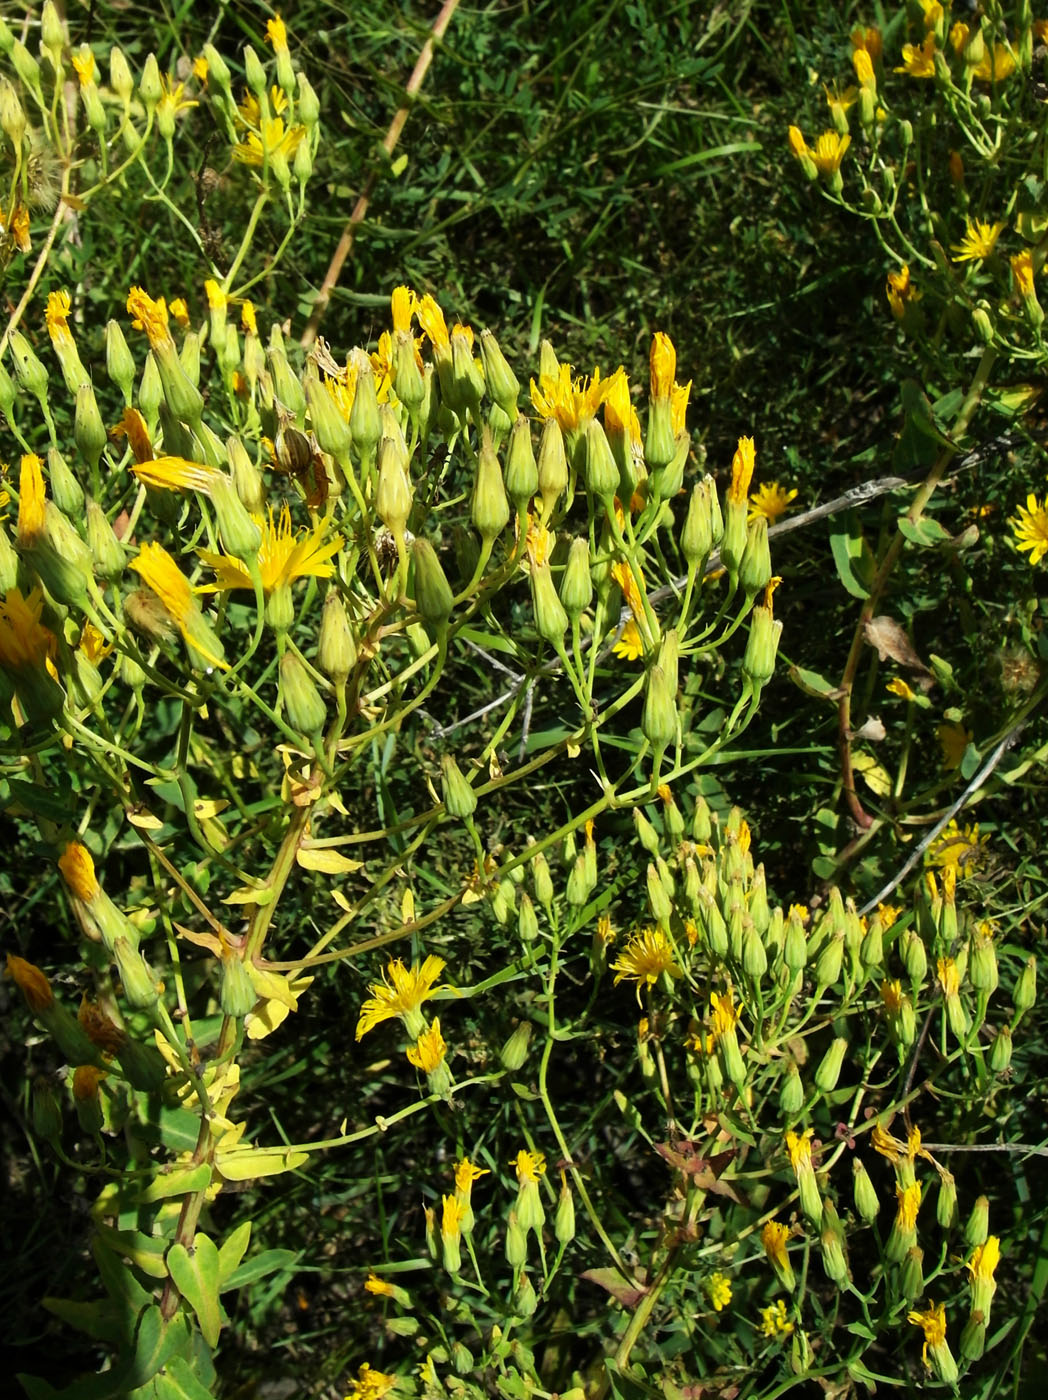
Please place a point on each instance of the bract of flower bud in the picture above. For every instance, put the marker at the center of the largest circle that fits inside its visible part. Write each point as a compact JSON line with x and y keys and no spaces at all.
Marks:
{"x":911,"y":1275}
{"x":564,"y":1218}
{"x":946,"y":1202}
{"x":755,"y":565}
{"x":516,"y":1241}
{"x":646,"y":833}
{"x":540,"y":874}
{"x":515,"y":1051}
{"x":490,"y":507}
{"x":241,"y":535}
{"x":88,"y":429}
{"x":658,"y":897}
{"x":659,"y":718}
{"x":521,"y":475}
{"x":140,"y":985}
{"x":762,"y":644}
{"x":551,"y":621}
{"x":867,"y":1205}
{"x":733,"y":541}
{"x":119,"y":365}
{"x":25,"y":65}
{"x":831,"y":1240}
{"x":791,"y":1095}
{"x":828,"y":964}
{"x":667,"y":481}
{"x":576,"y":586}
{"x":246,"y":476}
{"x":66,"y":491}
{"x":286,"y":385}
{"x":503,"y":385}
{"x":599,"y":469}
{"x":106,"y":550}
{"x":1001,"y":1050}
{"x":829,"y":1069}
{"x":53,"y":37}
{"x":579,"y":886}
{"x":459,"y":798}
{"x":433,"y":596}
{"x":394,"y":493}
{"x":29,"y":370}
{"x":1025,"y":994}
{"x":754,"y":955}
{"x":121,"y":79}
{"x":237,"y":996}
{"x":696,"y":540}
{"x":303,"y":703}
{"x":150,"y":87}
{"x":255,"y":74}
{"x":978,"y":1226}
{"x":336,"y":645}
{"x":659,"y":439}
{"x":308,"y":102}
{"x":552,"y":466}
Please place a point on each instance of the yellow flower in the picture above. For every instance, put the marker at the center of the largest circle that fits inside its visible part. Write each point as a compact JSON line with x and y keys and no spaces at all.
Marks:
{"x":201,"y":68}
{"x":132,"y":426}
{"x":282,"y":557}
{"x":900,"y":291}
{"x":92,"y":644}
{"x":20,"y":229}
{"x":838,"y":103}
{"x":403,"y":305}
{"x":645,"y":958}
{"x":429,"y":1050}
{"x":933,"y":12}
{"x":84,"y":66}
{"x":401,"y":993}
{"x":529,"y":1166}
{"x":773,"y":1240}
{"x":742,"y":465}
{"x":919,"y":62}
{"x":891,"y":996}
{"x":466,"y":1174}
{"x":32,"y":983}
{"x":1022,"y":272}
{"x":629,"y":647}
{"x":175,"y":474}
{"x":248,"y":321}
{"x":797,"y":144}
{"x":630,"y":587}
{"x":978,"y":241}
{"x":451,"y":1219}
{"x":370,"y":1385}
{"x":888,"y":914}
{"x":1030,"y":528}
{"x":379,"y":1286}
{"x":868,"y":39}
{"x":863,"y":65}
{"x":799,"y":1149}
{"x":25,"y":643}
{"x":663,"y":365}
{"x":933,"y":1323}
{"x":150,"y":316}
{"x":985,"y":1258}
{"x":160,"y":572}
{"x":718,"y":1287}
{"x":32,"y":501}
{"x":678,"y":408}
{"x":774,"y":1322}
{"x":954,"y":739}
{"x":573,"y":402}
{"x":949,"y":977}
{"x":276,"y":34}
{"x":909,"y":1203}
{"x":78,"y":871}
{"x":272,"y":138}
{"x":770,"y":501}
{"x":996,"y":64}
{"x":58,"y":307}
{"x":724,"y":1014}
{"x":828,"y":152}
{"x":957,"y":846}
{"x":901,"y":689}
{"x":179,"y":312}
{"x":172,"y":100}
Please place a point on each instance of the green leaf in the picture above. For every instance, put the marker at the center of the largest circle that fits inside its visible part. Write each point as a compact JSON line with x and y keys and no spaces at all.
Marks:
{"x":627,"y":1387}
{"x":195,"y":1273}
{"x":179,"y":1129}
{"x":121,"y":1284}
{"x":926,"y":532}
{"x":156,"y":1343}
{"x":268,"y":1262}
{"x":179,"y":1382}
{"x":145,"y":1251}
{"x":231,"y":1252}
{"x":98,"y":1319}
{"x":852,"y":556}
{"x":41,"y":801}
{"x":180,"y":1181}
{"x":814,"y":684}
{"x":921,"y":439}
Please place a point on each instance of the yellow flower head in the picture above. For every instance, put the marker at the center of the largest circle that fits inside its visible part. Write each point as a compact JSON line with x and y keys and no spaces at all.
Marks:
{"x":679,"y":407}
{"x":370,"y":1384}
{"x":908,"y":1200}
{"x":646,"y":956}
{"x":175,"y":474}
{"x":404,"y":304}
{"x":84,"y":66}
{"x":996,"y":64}
{"x":283,"y":556}
{"x":718,"y":1289}
{"x":919,"y":61}
{"x":901,"y":689}
{"x":78,"y":871}
{"x":663,"y":365}
{"x":429,"y":1050}
{"x":797,"y":143}
{"x":179,"y":311}
{"x":978,"y":241}
{"x":900,"y":291}
{"x":838,"y":103}
{"x":529,"y":1166}
{"x":56,"y":317}
{"x":402,"y":990}
{"x":201,"y":69}
{"x":31,"y":501}
{"x":933,"y":1323}
{"x":954,"y":739}
{"x":724,"y":1014}
{"x":773,"y":1239}
{"x":431,"y":319}
{"x":276,"y":34}
{"x":451,"y":1219}
{"x":620,"y":417}
{"x":573,"y":402}
{"x":799,"y":1150}
{"x":868,"y":39}
{"x":985,"y":1258}
{"x":1030,"y":528}
{"x":863,"y":65}
{"x":1022,"y":272}
{"x":151,"y":317}
{"x":25,"y":643}
{"x":628,"y":583}
{"x":379,"y":1286}
{"x":829,"y":150}
{"x":774,"y":1322}
{"x":949,"y":978}
{"x":466,"y":1174}
{"x":32,"y":983}
{"x":891,"y":996}
{"x":770,"y":501}
{"x":132,"y":426}
{"x":160,"y":573}
{"x":742,"y":465}
{"x":248,"y":320}
{"x":173,"y":99}
{"x":629,"y":647}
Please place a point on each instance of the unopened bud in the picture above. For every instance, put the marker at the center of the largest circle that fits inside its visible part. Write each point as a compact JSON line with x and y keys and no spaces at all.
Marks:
{"x":521,"y":475}
{"x":515,"y":1051}
{"x":503,"y":385}
{"x":867,"y":1205}
{"x":829,"y":1069}
{"x":150,"y":88}
{"x":433,"y":596}
{"x":576,"y":585}
{"x":552,"y":466}
{"x":978,"y":1226}
{"x":303,"y":704}
{"x":490,"y":509}
{"x":106,"y":550}
{"x":393,"y":495}
{"x":336,"y":646}
{"x":459,"y":798}
{"x":238,"y":994}
{"x":791,"y":1095}
{"x":659,"y":718}
{"x":516,"y":1242}
{"x":1025,"y":994}
{"x":564,"y":1219}
{"x":140,"y":985}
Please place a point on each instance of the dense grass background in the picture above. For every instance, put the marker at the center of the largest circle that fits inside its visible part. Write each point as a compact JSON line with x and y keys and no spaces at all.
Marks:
{"x":588,"y":174}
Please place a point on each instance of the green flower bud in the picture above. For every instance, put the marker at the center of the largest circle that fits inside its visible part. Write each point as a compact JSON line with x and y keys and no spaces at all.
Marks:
{"x":911,"y":1275}
{"x":336,"y":645}
{"x":394,"y":494}
{"x":107,"y":552}
{"x":515,"y":1051}
{"x":524,"y":1299}
{"x":287,"y":389}
{"x":659,"y":719}
{"x":521,"y":474}
{"x":490,"y":508}
{"x":25,"y":65}
{"x":140,"y":985}
{"x":142,"y":1066}
{"x":599,"y":470}
{"x":246,"y":477}
{"x":303,"y":704}
{"x":978,"y":1226}
{"x":119,"y":365}
{"x":828,"y":964}
{"x":831,"y":1239}
{"x":459,"y":798}
{"x":829,"y":1069}
{"x":47,"y":1112}
{"x":326,"y":420}
{"x":280,"y":609}
{"x":503,"y":385}
{"x":551,"y":621}
{"x":88,"y":429}
{"x":120,"y":78}
{"x":433,"y":596}
{"x":409,"y":383}
{"x":658,"y":898}
{"x":701,"y":821}
{"x":241,"y":536}
{"x":8,"y":563}
{"x":914,"y":956}
{"x":66,"y":491}
{"x":29,"y":370}
{"x":946,"y":1202}
{"x":540,"y":874}
{"x":255,"y":73}
{"x":867,"y":1205}
{"x":516,"y":1242}
{"x":365,"y":422}
{"x":578,"y":888}
{"x":659,"y":441}
{"x":982,"y":966}
{"x":712,"y":922}
{"x":150,"y":391}
{"x":983,"y":323}
{"x":527,"y":919}
{"x":1001,"y":1050}
{"x":564,"y":1219}
{"x":8,"y":393}
{"x":733,"y":541}
{"x":86,"y":1098}
{"x":150,"y":88}
{"x":973,"y":1338}
{"x":791,"y":1095}
{"x":576,"y":586}
{"x":237,"y":995}
{"x":754,"y":955}
{"x":669,"y":653}
{"x":1025,"y":994}
{"x":552,"y":466}
{"x":758,"y":663}
{"x":308,"y":102}
{"x":646,"y":833}
{"x":696,"y":541}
